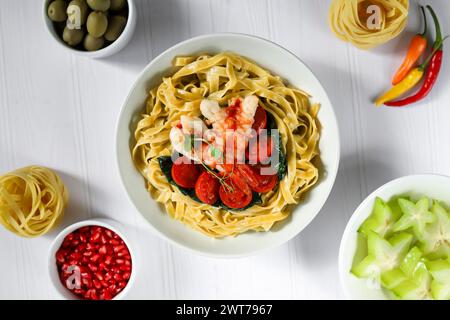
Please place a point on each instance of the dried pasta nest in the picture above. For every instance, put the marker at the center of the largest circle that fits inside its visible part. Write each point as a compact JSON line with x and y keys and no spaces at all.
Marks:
{"x":32,"y":200}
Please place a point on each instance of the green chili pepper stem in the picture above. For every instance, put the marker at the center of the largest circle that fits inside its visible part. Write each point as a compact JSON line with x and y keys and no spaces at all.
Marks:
{"x":436,"y":48}
{"x":438,"y":28}
{"x":424,"y":33}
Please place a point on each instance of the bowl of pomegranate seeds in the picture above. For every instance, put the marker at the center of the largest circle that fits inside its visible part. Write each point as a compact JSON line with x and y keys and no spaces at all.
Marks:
{"x":91,"y":260}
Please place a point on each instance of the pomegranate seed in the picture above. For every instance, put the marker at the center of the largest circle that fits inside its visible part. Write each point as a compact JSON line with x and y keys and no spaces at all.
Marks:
{"x":124,"y":253}
{"x":120,"y":261}
{"x":86,"y":275}
{"x":109,"y":233}
{"x":119,"y":248}
{"x":99,"y":276}
{"x":79,"y":291}
{"x":75,"y":243}
{"x":112,"y":288}
{"x":83,"y":237}
{"x":90,"y":246}
{"x":92,"y":267}
{"x":105,"y":283}
{"x":84,"y":229}
{"x":87,"y":253}
{"x":108,"y":276}
{"x":75,"y":256}
{"x":115,"y":269}
{"x":107,"y":295}
{"x":101,"y":266}
{"x":122,"y":284}
{"x":118,"y":277}
{"x":70,"y":237}
{"x":95,"y":257}
{"x":104,"y":239}
{"x":102,"y":250}
{"x":127,"y":261}
{"x":60,"y":256}
{"x":126,"y":275}
{"x":114,"y":242}
{"x":116,"y":236}
{"x":87,"y":282}
{"x":125,"y":268}
{"x":108,"y":260}
{"x":97,"y":284}
{"x":95,"y":237}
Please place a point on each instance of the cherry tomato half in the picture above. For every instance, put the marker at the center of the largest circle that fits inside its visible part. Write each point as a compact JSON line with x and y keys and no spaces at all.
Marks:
{"x":238,"y":195}
{"x":257,"y":181}
{"x":260,"y":119}
{"x":207,"y":188}
{"x":185,"y":173}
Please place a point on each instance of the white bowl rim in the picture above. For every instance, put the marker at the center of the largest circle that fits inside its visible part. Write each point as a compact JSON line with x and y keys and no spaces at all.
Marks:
{"x":346,"y":235}
{"x":331,"y":177}
{"x":114,"y":47}
{"x":56,"y":244}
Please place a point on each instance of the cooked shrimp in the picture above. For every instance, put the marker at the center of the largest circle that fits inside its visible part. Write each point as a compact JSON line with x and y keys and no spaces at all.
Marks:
{"x":232,"y":124}
{"x":183,"y":130}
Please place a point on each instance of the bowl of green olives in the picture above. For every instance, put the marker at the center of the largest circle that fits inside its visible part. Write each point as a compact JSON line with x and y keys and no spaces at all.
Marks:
{"x":91,"y":28}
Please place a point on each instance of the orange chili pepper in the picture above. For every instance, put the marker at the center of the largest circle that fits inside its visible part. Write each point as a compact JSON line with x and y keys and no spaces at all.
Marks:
{"x":417,"y":47}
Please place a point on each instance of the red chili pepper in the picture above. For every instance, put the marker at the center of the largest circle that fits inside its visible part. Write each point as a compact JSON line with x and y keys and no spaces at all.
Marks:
{"x":432,"y":72}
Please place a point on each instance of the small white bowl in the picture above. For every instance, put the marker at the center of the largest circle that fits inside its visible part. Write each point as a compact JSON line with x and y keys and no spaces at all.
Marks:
{"x":280,"y":62}
{"x":56,"y":244}
{"x":415,"y":186}
{"x":113,"y":48}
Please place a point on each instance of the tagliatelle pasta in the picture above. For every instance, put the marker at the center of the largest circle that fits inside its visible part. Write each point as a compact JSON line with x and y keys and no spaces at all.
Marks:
{"x":368,"y":23}
{"x":222,"y":77}
{"x":32,"y":199}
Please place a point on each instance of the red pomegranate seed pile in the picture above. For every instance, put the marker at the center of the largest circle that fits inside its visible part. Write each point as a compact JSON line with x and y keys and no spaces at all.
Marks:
{"x":103,"y":260}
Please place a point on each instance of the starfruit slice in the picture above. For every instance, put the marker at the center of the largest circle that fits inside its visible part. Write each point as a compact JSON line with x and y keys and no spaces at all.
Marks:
{"x":380,"y":221}
{"x":415,"y":216}
{"x":440,"y":271}
{"x":436,"y":238}
{"x":383,"y":255}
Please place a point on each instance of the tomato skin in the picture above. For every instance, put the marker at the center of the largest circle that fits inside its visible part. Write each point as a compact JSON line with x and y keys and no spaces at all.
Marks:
{"x":207,"y":188}
{"x":257,"y":182}
{"x":260,"y":119}
{"x":185,"y":173}
{"x":266,"y":183}
{"x":239,"y":197}
{"x":261,"y":151}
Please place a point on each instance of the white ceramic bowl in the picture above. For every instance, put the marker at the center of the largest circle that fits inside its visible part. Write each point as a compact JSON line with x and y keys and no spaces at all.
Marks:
{"x":416,"y":186}
{"x":113,"y":48}
{"x":279,"y":61}
{"x":56,"y":244}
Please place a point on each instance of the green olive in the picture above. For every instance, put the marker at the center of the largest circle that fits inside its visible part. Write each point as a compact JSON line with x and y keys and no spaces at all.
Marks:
{"x":73,"y":37}
{"x":117,"y":5}
{"x":116,"y":24}
{"x":92,"y":44}
{"x":56,"y":11}
{"x":99,"y":5}
{"x":77,"y":12}
{"x":96,"y":24}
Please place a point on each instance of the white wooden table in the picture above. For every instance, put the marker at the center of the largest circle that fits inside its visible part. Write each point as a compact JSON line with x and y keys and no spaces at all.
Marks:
{"x":60,"y":110}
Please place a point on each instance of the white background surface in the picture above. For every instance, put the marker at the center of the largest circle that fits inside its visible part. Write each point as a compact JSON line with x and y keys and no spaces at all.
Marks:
{"x":60,"y":110}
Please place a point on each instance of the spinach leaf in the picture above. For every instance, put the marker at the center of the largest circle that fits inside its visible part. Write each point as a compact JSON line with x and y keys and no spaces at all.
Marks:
{"x":282,"y":161}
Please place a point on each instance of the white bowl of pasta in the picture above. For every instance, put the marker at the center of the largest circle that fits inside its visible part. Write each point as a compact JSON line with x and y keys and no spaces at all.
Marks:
{"x":238,"y":76}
